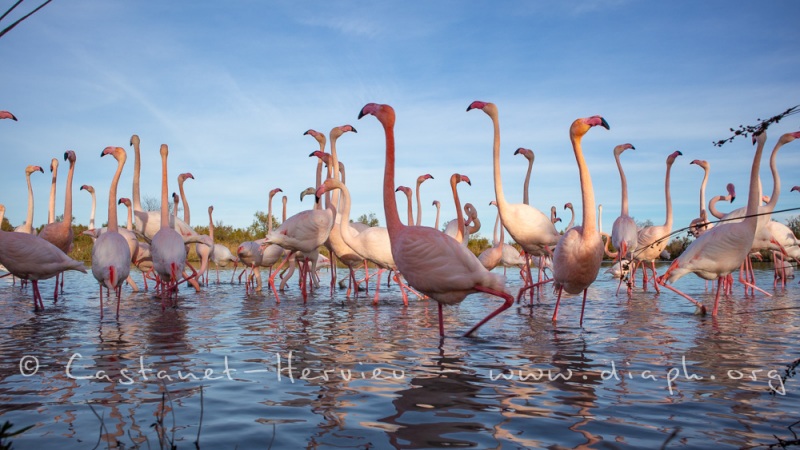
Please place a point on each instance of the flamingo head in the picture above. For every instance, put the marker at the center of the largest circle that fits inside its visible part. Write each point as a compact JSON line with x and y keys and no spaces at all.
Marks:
{"x":135,"y":140}
{"x":182,"y":177}
{"x":405,"y":189}
{"x":789,"y":137}
{"x":760,"y":137}
{"x":338,"y":131}
{"x":306,"y":191}
{"x":795,"y":188}
{"x":53,"y":165}
{"x":672,"y":156}
{"x":526,"y":152}
{"x":316,"y":135}
{"x":87,"y":188}
{"x":30,"y":169}
{"x":464,"y":178}
{"x":384,"y":113}
{"x":568,"y":205}
{"x":164,"y":150}
{"x":124,"y":201}
{"x":732,"y":191}
{"x":488,"y":107}
{"x":117,"y":152}
{"x":211,"y":209}
{"x":422,"y":178}
{"x":622,"y":147}
{"x":493,"y":202}
{"x":581,"y":126}
{"x":69,"y":155}
{"x":436,"y":203}
{"x":275,"y":191}
{"x":175,"y":197}
{"x":7,"y":115}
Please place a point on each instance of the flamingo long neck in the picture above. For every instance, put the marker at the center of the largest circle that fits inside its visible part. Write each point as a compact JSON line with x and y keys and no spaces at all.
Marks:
{"x":129,"y":224}
{"x":393,"y":223}
{"x":776,"y":179}
{"x":498,"y":182}
{"x":587,"y":191}
{"x":29,"y":217}
{"x":164,"y":190}
{"x":712,"y":206}
{"x":211,"y":225}
{"x":344,"y":228}
{"x":334,"y":172}
{"x":51,"y":210}
{"x":94,"y":207}
{"x":419,"y":205}
{"x":186,"y":216}
{"x":527,"y":184}
{"x":459,"y":214}
{"x":668,"y":197}
{"x":112,"y":196}
{"x":283,"y":217}
{"x":438,"y":209}
{"x":703,"y":213}
{"x":754,"y":193}
{"x":68,"y":195}
{"x":137,"y":168}
{"x":410,"y":208}
{"x":502,"y":231}
{"x":495,"y":240}
{"x":624,"y":180}
{"x":269,"y":213}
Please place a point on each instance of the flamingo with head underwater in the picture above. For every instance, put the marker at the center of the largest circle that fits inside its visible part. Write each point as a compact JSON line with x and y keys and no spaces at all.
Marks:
{"x":431,"y":262}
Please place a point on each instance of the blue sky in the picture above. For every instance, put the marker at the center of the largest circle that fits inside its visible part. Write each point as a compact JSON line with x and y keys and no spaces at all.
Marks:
{"x":232,"y":86}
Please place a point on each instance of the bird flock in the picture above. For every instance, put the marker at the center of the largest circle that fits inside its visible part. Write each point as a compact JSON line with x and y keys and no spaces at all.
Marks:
{"x":425,"y":262}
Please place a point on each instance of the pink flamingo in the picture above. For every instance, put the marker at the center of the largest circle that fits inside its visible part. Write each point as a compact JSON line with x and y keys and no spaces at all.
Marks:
{"x":623,"y":231}
{"x":167,"y":247}
{"x":652,"y":240}
{"x":431,"y":262}
{"x":27,"y":257}
{"x":528,"y":226}
{"x":60,"y":233}
{"x":528,"y":154}
{"x":721,"y":250}
{"x":111,"y":256}
{"x":700,"y":225}
{"x":578,"y":255}
{"x":27,"y":227}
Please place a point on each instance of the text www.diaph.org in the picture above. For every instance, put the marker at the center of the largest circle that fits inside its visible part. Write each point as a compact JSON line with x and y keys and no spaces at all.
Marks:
{"x":287,"y":368}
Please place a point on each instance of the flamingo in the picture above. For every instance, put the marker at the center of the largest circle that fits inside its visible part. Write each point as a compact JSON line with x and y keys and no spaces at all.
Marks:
{"x":528,"y":226}
{"x":111,"y":257}
{"x":27,"y":227}
{"x":88,"y":188}
{"x":60,"y":233}
{"x":431,"y":262}
{"x":578,"y":255}
{"x":51,"y":211}
{"x":721,"y":250}
{"x":205,"y":246}
{"x":407,"y":190}
{"x":623,"y":231}
{"x":700,"y":225}
{"x":571,"y":209}
{"x":421,"y":179}
{"x":652,"y":240}
{"x":7,"y":115}
{"x":491,"y":257}
{"x":140,"y":251}
{"x":221,"y":255}
{"x":528,"y":154}
{"x":167,"y":247}
{"x":27,"y":257}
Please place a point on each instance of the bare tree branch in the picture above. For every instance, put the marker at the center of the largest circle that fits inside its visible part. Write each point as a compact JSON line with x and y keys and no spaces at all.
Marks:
{"x":10,"y":27}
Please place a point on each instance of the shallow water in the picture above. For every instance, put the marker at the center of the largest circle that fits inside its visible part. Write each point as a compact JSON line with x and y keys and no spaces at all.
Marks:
{"x":640,"y":372}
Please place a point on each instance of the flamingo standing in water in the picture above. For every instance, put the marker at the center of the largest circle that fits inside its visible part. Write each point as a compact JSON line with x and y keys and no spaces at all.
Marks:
{"x":27,"y":227}
{"x":111,"y":256}
{"x":167,"y":247}
{"x":652,"y":240}
{"x":431,"y":262}
{"x":60,"y":233}
{"x":623,"y":231}
{"x":723,"y":249}
{"x":27,"y":257}
{"x":578,"y":255}
{"x":491,"y":257}
{"x":528,"y":226}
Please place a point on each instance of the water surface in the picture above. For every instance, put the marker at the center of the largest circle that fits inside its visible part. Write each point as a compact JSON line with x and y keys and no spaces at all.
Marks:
{"x":246,"y":372}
